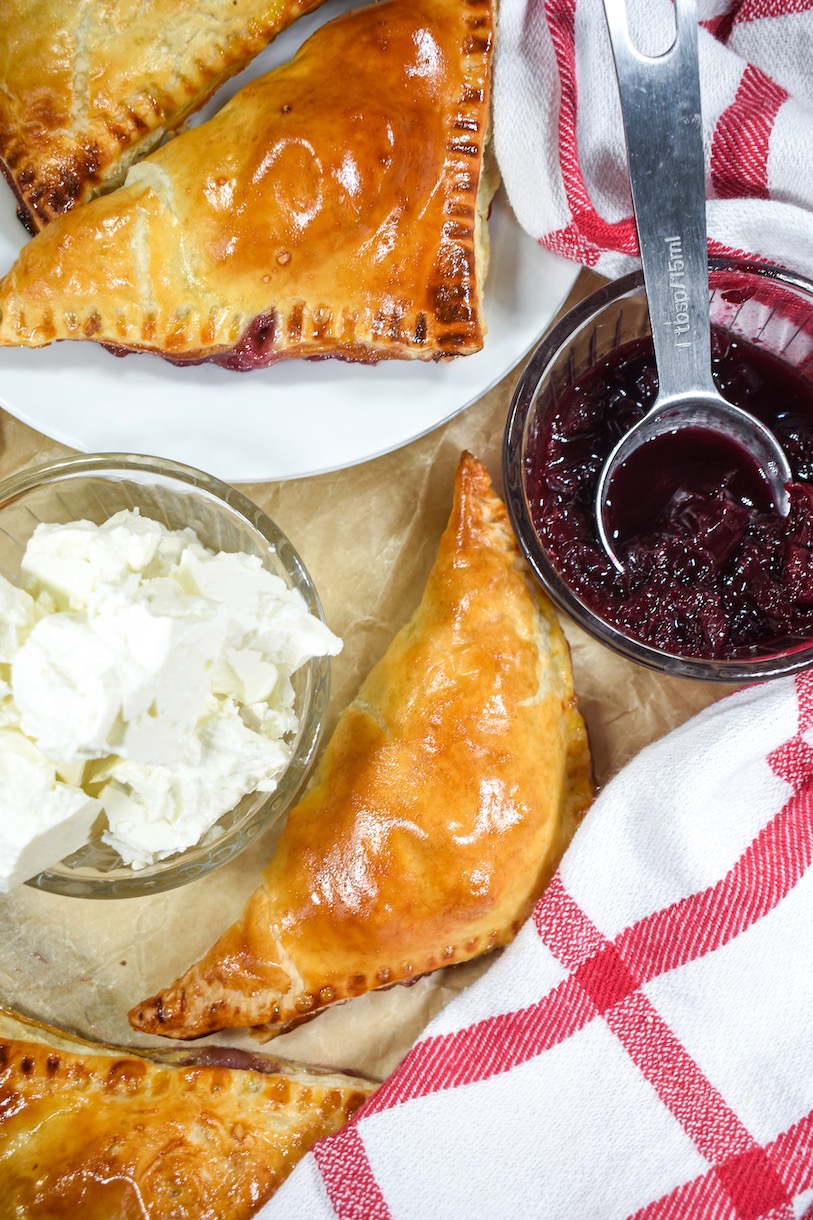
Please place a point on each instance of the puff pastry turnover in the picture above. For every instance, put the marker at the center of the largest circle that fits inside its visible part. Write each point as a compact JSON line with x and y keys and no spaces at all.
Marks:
{"x":94,"y":1131}
{"x":437,"y":813}
{"x":87,"y":86}
{"x":335,"y":207}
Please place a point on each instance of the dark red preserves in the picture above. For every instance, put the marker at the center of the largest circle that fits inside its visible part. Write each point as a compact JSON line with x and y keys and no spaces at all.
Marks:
{"x":711,"y":571}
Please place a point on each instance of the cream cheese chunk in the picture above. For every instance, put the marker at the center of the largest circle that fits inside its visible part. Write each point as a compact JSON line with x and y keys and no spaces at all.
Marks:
{"x":18,"y":613}
{"x":160,"y":808}
{"x":42,"y":819}
{"x":154,"y":671}
{"x":129,"y":679}
{"x":80,"y":561}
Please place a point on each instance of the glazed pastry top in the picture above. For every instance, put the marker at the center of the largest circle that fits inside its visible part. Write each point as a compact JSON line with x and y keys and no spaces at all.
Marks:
{"x":333,"y":207}
{"x":86,"y":86}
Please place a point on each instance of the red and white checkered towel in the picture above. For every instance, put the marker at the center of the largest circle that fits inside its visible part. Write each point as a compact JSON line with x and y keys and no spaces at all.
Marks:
{"x":645,"y":1047}
{"x":560,"y":144}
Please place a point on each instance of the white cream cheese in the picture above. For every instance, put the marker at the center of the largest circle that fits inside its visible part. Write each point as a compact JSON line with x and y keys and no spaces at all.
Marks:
{"x":157,"y":808}
{"x":157,"y":671}
{"x":41,"y":818}
{"x":18,"y":613}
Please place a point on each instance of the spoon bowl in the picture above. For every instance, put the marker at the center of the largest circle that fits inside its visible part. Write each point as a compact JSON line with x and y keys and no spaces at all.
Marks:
{"x":660,"y":106}
{"x":749,"y":442}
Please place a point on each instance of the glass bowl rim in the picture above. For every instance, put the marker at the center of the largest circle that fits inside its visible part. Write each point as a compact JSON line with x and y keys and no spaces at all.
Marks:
{"x":751,"y":669}
{"x":312,"y":717}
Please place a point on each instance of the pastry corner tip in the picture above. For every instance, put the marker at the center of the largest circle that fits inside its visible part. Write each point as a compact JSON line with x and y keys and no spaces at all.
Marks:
{"x":471,"y":477}
{"x":145,"y":1015}
{"x":476,"y":497}
{"x":156,"y":1015}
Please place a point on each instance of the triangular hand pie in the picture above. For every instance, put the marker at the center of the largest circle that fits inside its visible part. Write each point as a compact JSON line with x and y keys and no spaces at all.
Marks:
{"x":95,"y":1131}
{"x":438,"y":811}
{"x":87,"y":86}
{"x":334,"y":207}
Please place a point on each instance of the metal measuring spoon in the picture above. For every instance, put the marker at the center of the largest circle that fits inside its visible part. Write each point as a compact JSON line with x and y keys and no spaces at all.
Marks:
{"x":660,"y":104}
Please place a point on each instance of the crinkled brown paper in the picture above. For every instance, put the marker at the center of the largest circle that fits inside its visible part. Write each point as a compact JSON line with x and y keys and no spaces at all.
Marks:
{"x":82,"y":964}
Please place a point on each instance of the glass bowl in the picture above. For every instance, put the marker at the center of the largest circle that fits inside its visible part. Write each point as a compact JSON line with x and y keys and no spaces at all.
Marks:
{"x":763,"y":304}
{"x":94,"y":487}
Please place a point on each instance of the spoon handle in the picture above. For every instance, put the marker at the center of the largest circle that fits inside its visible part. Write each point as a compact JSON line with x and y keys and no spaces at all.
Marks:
{"x":660,"y":104}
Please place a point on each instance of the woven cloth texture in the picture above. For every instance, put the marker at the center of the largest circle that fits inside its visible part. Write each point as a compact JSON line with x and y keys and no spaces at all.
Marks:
{"x":560,"y":143}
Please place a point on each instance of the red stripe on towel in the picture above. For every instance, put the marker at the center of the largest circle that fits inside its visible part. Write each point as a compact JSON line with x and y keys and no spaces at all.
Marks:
{"x":349,"y":1180}
{"x":741,"y":140}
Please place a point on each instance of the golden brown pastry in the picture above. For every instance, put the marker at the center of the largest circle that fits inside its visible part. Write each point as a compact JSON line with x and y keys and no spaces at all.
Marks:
{"x":437,"y":813}
{"x":330,"y":208}
{"x":88,"y":86}
{"x":100,"y":1132}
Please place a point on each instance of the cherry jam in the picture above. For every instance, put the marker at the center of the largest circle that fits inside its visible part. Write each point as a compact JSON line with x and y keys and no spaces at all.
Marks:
{"x":710,"y":570}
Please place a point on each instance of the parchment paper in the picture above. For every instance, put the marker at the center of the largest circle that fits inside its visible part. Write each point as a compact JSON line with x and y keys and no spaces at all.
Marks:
{"x":368,"y":536}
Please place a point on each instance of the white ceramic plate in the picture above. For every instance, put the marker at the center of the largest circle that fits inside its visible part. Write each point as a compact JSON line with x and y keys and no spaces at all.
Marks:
{"x":294,"y":418}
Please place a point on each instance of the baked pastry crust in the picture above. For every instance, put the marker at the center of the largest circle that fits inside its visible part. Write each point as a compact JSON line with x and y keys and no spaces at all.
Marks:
{"x":88,"y":86}
{"x":94,"y":1131}
{"x":333,"y":207}
{"x":438,"y":811}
